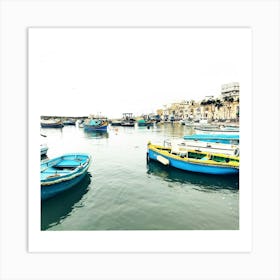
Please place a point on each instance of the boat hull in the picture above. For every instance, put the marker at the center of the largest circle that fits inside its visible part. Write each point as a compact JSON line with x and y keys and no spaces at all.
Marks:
{"x":95,"y":128}
{"x":190,"y":166}
{"x":95,"y":125}
{"x":69,"y":123}
{"x":52,"y":125}
{"x":144,"y":124}
{"x":116,"y":124}
{"x":216,"y":131}
{"x":53,"y":190}
{"x":128,"y":124}
{"x":214,"y":138}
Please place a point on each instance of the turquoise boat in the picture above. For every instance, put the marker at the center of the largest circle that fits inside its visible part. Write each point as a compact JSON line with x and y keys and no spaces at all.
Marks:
{"x":96,"y":125}
{"x":194,"y":160}
{"x":143,"y":122}
{"x":219,"y":130}
{"x":62,"y":173}
{"x":216,"y":138}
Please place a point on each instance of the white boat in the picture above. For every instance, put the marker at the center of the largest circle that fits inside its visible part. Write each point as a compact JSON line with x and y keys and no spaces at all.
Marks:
{"x":52,"y":123}
{"x":217,"y":130}
{"x":181,"y":146}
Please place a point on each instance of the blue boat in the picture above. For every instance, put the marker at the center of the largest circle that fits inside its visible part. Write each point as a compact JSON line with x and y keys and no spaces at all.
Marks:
{"x":116,"y":122}
{"x":62,"y":173}
{"x":51,"y":124}
{"x":95,"y":125}
{"x":194,"y":160}
{"x":69,"y":122}
{"x":216,"y":138}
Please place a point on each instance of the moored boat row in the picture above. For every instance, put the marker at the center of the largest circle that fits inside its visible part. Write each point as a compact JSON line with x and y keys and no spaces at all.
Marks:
{"x":216,"y":154}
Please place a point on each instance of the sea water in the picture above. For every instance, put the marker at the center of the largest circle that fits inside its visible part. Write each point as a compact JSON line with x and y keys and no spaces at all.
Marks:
{"x":122,"y":191}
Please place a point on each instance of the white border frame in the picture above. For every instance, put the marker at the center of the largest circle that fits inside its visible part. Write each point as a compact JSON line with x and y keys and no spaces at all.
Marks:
{"x":151,"y":241}
{"x":17,"y":263}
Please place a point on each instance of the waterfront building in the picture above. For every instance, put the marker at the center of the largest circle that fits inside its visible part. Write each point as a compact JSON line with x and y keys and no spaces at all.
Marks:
{"x":230,"y":99}
{"x":165,"y":114}
{"x":224,"y":107}
{"x":230,"y":90}
{"x":192,"y":110}
{"x":207,"y":106}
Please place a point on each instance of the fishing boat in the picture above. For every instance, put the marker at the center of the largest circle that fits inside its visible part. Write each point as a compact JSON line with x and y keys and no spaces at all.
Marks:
{"x":187,"y":123}
{"x":44,"y":149}
{"x":95,"y":125}
{"x":216,"y":138}
{"x":203,"y":146}
{"x":69,"y":122}
{"x":62,"y":173}
{"x":81,"y":123}
{"x":129,"y":123}
{"x":143,"y":122}
{"x":51,"y":124}
{"x":128,"y":120}
{"x":116,"y":123}
{"x":194,"y":160}
{"x":218,"y":130}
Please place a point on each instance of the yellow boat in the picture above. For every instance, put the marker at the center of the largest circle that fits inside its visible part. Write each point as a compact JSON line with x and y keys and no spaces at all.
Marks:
{"x":194,"y":160}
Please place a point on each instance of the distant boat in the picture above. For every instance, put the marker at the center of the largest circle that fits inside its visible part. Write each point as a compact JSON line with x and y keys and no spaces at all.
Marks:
{"x":187,"y":123}
{"x":128,"y":120}
{"x":62,"y":173}
{"x":51,"y":124}
{"x":183,"y":145}
{"x":217,"y":138}
{"x":129,"y":123}
{"x":69,"y":122}
{"x":143,"y":122}
{"x":116,"y":123}
{"x":194,"y":160}
{"x":44,"y":149}
{"x":95,"y":125}
{"x":218,"y":130}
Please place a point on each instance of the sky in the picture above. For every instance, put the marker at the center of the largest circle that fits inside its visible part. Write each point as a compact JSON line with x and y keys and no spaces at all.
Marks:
{"x":111,"y":71}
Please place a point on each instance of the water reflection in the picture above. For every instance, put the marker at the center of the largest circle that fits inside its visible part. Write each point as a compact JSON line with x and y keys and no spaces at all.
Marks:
{"x":56,"y":209}
{"x":96,"y":134}
{"x":199,"y":180}
{"x":46,"y":130}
